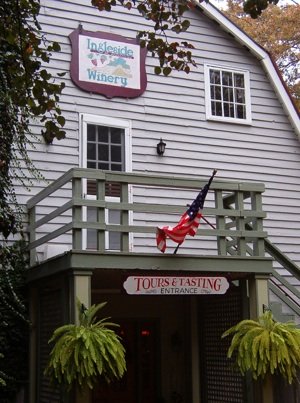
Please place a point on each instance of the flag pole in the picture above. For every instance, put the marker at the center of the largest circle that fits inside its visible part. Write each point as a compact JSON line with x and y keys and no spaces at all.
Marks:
{"x":209,"y":183}
{"x":176,"y":249}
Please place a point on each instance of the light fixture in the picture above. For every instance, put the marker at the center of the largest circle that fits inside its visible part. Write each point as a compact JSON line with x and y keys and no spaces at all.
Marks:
{"x":160,"y":148}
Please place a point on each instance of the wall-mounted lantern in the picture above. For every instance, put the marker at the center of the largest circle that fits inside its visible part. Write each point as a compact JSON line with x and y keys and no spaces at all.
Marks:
{"x":161,"y":147}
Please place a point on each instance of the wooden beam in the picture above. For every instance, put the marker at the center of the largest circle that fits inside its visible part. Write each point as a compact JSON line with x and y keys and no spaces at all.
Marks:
{"x":91,"y":260}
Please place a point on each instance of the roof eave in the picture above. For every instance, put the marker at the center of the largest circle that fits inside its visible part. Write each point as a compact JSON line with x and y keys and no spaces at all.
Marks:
{"x":262,"y":55}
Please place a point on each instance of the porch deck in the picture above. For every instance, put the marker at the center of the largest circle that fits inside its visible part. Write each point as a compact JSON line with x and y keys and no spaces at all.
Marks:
{"x":233,"y":228}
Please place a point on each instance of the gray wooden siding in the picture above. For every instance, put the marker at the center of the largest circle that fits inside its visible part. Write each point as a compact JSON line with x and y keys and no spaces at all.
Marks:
{"x":174,"y":108}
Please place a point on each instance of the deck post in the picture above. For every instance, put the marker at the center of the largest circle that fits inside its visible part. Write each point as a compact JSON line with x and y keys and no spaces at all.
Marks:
{"x":80,"y":289}
{"x":32,"y":234}
{"x":259,"y":298}
{"x":33,"y":317}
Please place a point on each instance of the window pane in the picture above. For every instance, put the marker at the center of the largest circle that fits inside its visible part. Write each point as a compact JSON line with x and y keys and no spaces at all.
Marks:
{"x":227,"y":78}
{"x":91,"y":239}
{"x":103,"y":152}
{"x":91,"y":164}
{"x":240,"y":96}
{"x":212,"y":92}
{"x":229,"y":110}
{"x":114,"y":241}
{"x":215,"y":76}
{"x":91,"y":214}
{"x":241,"y":111}
{"x":115,"y":135}
{"x":216,"y":92}
{"x":116,"y":167}
{"x":102,"y":165}
{"x":116,"y":154}
{"x":91,"y":132}
{"x":239,"y":80}
{"x":219,"y":109}
{"x":213,"y":108}
{"x":216,"y":108}
{"x":114,"y":216}
{"x":103,"y":134}
{"x":91,"y":151}
{"x":228,"y":94}
{"x":226,"y":109}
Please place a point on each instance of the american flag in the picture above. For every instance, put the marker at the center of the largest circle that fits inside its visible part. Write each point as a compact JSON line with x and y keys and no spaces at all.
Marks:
{"x":188,"y":223}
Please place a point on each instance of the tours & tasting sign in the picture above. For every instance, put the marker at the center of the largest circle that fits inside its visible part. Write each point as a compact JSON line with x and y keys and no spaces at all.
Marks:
{"x":107,"y":64}
{"x":169,"y":285}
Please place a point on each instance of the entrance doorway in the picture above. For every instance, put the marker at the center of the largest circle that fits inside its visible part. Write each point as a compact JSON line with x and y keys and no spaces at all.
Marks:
{"x":140,"y":383}
{"x":156,"y":338}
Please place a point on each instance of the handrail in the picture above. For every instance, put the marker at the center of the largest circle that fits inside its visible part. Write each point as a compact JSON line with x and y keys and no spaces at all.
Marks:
{"x":286,"y":298}
{"x":291,"y":297}
{"x":53,"y":187}
{"x":141,"y":179}
{"x":284,"y":283}
{"x":76,"y":202}
{"x":281,"y":258}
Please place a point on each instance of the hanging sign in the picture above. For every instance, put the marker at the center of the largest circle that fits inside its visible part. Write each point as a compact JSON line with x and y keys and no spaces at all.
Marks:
{"x":167,"y":285}
{"x":107,"y":64}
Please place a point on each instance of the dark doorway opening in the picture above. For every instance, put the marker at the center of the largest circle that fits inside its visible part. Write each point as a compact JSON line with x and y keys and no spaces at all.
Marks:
{"x":140,"y":384}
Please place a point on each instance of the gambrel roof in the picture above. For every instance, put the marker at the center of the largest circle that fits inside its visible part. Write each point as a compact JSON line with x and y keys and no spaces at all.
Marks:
{"x":261,"y":54}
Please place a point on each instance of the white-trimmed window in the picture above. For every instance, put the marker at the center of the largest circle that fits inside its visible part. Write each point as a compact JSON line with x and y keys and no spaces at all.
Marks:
{"x":106,"y":145}
{"x":227,"y":94}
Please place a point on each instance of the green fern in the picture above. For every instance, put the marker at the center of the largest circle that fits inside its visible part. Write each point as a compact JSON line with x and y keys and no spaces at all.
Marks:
{"x":266,"y":347}
{"x":84,"y":352}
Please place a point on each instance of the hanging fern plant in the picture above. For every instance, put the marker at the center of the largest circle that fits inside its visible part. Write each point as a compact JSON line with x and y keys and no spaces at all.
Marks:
{"x":266,"y":347}
{"x":85,"y":351}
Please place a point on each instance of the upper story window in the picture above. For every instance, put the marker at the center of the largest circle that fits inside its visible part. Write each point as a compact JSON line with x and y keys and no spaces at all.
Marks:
{"x":227,"y":95}
{"x":105,"y":147}
{"x":105,"y":143}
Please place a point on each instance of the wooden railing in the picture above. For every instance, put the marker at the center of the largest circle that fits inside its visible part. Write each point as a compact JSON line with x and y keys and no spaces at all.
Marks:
{"x":228,"y":225}
{"x":288,"y":293}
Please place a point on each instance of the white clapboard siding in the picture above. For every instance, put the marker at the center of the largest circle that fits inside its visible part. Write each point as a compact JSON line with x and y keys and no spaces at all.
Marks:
{"x":173,"y":108}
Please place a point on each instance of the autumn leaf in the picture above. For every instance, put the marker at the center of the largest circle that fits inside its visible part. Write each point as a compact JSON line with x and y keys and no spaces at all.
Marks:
{"x":276,"y":30}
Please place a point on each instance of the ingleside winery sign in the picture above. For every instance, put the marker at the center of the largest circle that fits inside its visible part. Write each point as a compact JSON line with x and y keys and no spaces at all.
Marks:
{"x":107,"y":64}
{"x":169,"y":285}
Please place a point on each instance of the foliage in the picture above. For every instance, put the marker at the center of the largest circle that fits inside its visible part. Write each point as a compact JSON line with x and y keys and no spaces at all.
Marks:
{"x":277,"y":30}
{"x":86,"y":351}
{"x":27,"y":86}
{"x":164,"y":16}
{"x":255,"y":7}
{"x":14,"y":324}
{"x":27,"y":92}
{"x":266,"y":347}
